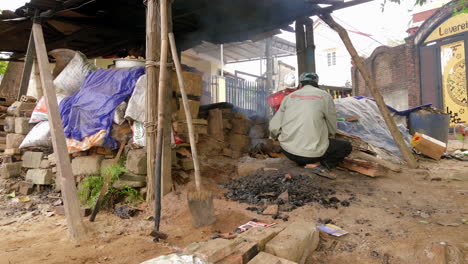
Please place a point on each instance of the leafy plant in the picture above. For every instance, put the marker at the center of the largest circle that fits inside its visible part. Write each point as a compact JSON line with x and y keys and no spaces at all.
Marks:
{"x":3,"y":67}
{"x":90,"y":188}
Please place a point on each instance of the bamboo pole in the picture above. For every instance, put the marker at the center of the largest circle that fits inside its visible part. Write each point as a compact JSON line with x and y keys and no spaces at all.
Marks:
{"x":152,"y":57}
{"x":161,"y":113}
{"x":69,"y":194}
{"x":370,"y":83}
{"x":188,"y":115}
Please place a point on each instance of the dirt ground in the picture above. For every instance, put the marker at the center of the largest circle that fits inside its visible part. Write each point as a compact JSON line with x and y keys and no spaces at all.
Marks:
{"x":391,"y":220}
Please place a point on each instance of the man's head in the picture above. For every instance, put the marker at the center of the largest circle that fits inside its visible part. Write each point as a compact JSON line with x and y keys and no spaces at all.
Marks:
{"x":309,"y":78}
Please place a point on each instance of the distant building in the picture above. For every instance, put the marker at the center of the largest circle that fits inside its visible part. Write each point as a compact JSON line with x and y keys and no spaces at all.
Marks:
{"x":333,"y":62}
{"x":430,"y":68}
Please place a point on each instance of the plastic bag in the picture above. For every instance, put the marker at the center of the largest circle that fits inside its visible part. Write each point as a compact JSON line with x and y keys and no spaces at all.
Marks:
{"x":39,"y":136}
{"x":175,"y":259}
{"x":86,"y":143}
{"x":73,"y":75}
{"x":136,"y":105}
{"x":119,"y":113}
{"x":139,"y":134}
{"x":40,"y":111}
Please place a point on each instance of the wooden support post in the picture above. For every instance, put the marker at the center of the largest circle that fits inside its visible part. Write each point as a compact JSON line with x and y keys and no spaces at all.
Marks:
{"x":166,"y":173}
{"x":300,"y":47}
{"x":153,"y":46}
{"x":310,"y":45}
{"x":28,"y":64}
{"x":370,"y":82}
{"x":161,"y":113}
{"x":69,"y":193}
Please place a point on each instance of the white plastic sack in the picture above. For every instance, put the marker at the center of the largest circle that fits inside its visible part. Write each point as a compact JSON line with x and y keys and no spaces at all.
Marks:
{"x":40,"y":111}
{"x":175,"y":259}
{"x":39,"y":136}
{"x":139,"y":134}
{"x":136,"y":105}
{"x":73,"y":75}
{"x":119,"y":113}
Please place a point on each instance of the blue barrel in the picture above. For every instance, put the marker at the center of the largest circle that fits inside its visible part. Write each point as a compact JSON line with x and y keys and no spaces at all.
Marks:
{"x":435,"y":125}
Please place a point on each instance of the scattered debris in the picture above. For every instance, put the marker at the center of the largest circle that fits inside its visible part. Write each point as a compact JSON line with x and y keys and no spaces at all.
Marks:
{"x":266,"y":187}
{"x":332,"y":230}
{"x":124,"y":211}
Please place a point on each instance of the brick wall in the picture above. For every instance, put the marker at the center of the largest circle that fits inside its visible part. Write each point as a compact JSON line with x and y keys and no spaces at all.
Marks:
{"x":396,"y":73}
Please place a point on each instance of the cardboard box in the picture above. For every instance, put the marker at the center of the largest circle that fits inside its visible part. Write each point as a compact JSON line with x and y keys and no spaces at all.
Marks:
{"x":428,"y":146}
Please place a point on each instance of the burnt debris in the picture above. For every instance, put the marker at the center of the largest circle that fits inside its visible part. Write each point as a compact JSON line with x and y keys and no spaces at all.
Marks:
{"x":272,"y":187}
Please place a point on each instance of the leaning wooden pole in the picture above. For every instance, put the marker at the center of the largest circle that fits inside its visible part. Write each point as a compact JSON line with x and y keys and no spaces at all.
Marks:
{"x":371,"y":84}
{"x":69,"y":194}
{"x":152,"y":60}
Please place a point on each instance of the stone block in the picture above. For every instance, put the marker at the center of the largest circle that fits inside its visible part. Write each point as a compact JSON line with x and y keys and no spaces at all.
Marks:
{"x":136,"y":161}
{"x":45,"y":164}
{"x":17,"y":107}
{"x":243,"y":253}
{"x":121,"y":184}
{"x":240,"y":116}
{"x":265,"y":258}
{"x":296,"y":242}
{"x":32,"y":159}
{"x":187,"y":164}
{"x":261,"y":236}
{"x":227,"y":124}
{"x":133,"y":177}
{"x":216,"y":249}
{"x":9,"y":125}
{"x":40,"y":176}
{"x":240,"y":126}
{"x":106,"y":164}
{"x":239,"y":142}
{"x":87,"y":165}
{"x":22,"y":125}
{"x":25,"y":188}
{"x":14,"y":140}
{"x":9,"y":170}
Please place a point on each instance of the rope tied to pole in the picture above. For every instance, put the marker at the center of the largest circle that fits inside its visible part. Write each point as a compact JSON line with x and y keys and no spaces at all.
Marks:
{"x":151,"y":63}
{"x":150,"y":127}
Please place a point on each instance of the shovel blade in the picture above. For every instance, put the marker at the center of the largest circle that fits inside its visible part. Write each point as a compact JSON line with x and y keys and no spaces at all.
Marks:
{"x":201,"y":208}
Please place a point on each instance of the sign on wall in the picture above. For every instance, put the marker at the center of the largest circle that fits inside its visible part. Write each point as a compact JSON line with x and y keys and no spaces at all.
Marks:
{"x":450,"y":27}
{"x":455,"y":97}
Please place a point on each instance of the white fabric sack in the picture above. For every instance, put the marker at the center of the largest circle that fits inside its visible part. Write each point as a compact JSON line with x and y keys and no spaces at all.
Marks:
{"x":73,"y":75}
{"x":136,"y":105}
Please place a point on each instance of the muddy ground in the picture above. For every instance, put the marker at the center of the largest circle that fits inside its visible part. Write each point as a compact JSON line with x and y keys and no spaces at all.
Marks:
{"x":390,"y":220}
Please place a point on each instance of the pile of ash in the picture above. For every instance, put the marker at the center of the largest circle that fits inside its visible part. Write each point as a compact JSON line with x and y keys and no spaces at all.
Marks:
{"x":277,"y":187}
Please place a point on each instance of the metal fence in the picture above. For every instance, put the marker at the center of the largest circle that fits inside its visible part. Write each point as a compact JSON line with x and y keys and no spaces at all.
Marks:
{"x":249,"y":95}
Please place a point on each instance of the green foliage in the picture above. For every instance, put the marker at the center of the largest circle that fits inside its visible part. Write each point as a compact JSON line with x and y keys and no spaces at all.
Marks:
{"x":3,"y":67}
{"x":461,"y":8}
{"x":90,"y":188}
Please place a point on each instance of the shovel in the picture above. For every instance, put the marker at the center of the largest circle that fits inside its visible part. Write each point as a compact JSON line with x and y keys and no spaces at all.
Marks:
{"x":200,"y":201}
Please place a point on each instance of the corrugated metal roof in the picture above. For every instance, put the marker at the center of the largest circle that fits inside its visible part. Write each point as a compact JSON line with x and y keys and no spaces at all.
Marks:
{"x":110,"y":25}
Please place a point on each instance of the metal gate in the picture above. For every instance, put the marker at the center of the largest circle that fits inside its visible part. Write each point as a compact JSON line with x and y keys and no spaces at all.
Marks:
{"x":249,"y":95}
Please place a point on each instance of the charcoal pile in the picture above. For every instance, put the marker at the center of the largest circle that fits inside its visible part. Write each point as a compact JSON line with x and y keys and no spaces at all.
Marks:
{"x":280,"y":188}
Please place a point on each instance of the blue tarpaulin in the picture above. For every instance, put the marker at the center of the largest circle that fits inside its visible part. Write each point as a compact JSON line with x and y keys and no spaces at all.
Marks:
{"x":91,"y":108}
